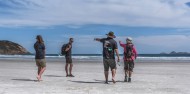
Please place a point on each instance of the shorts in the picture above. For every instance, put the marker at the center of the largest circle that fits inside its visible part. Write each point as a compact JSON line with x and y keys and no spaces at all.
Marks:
{"x":41,"y":62}
{"x":68,"y":60}
{"x":129,"y":65}
{"x":109,"y":63}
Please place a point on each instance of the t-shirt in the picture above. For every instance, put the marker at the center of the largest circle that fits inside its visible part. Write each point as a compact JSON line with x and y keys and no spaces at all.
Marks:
{"x":68,"y":53}
{"x":40,"y":50}
{"x":109,"y":46}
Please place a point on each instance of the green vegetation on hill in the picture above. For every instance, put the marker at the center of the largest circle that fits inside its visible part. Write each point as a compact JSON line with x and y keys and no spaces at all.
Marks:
{"x":11,"y":48}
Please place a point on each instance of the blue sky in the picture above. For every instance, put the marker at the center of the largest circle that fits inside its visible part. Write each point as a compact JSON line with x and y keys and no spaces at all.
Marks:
{"x":155,"y":25}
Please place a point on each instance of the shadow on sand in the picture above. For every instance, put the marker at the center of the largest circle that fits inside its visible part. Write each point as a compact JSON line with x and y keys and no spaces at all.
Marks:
{"x":53,"y":76}
{"x":88,"y":82}
{"x":25,"y":80}
{"x":93,"y":82}
{"x":109,"y":81}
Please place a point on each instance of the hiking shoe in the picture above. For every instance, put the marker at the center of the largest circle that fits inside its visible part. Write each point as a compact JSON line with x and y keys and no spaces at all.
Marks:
{"x":67,"y":75}
{"x":125,"y":80}
{"x":106,"y":82}
{"x":129,"y":79}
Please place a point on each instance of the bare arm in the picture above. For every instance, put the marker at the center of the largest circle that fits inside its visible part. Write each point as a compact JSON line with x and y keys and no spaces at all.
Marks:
{"x":121,"y":44}
{"x":97,"y":39}
{"x":117,"y":53}
{"x":68,"y":48}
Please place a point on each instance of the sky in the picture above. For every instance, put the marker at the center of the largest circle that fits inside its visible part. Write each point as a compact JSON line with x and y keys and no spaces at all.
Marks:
{"x":155,"y":25}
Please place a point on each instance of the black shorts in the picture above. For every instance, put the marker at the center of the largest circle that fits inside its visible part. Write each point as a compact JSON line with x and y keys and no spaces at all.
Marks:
{"x":129,"y":65}
{"x":109,"y":63}
{"x":68,"y":60}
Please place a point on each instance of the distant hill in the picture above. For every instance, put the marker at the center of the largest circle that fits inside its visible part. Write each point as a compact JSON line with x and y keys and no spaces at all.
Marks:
{"x":11,"y":48}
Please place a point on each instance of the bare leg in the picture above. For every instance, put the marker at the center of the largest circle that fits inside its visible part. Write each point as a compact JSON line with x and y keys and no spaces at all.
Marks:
{"x":113,"y":75}
{"x":106,"y":75}
{"x":41,"y":72}
{"x":39,"y":77}
{"x":70,"y":68}
{"x":39,"y":68}
{"x":66,"y":69}
{"x":125,"y":78}
{"x":130,"y":74}
{"x":126,"y":72}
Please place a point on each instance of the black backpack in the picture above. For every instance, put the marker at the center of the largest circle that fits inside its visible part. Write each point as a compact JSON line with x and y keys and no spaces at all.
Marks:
{"x":129,"y":51}
{"x":63,"y":48}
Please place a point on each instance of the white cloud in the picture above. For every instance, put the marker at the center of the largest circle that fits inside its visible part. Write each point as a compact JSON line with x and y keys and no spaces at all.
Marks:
{"x":156,"y":13}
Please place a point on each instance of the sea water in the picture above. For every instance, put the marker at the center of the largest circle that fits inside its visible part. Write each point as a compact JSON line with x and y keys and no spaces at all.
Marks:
{"x":141,"y":57}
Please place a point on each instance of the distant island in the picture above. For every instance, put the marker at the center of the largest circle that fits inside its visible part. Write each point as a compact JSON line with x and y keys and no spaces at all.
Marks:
{"x":11,"y":48}
{"x":174,"y":52}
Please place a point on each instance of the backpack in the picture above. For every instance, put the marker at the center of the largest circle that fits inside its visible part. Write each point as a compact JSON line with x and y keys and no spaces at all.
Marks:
{"x":63,"y":48}
{"x":108,"y":50}
{"x":129,"y":51}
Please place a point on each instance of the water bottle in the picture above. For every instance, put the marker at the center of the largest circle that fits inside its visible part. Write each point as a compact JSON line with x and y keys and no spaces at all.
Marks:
{"x":118,"y":63}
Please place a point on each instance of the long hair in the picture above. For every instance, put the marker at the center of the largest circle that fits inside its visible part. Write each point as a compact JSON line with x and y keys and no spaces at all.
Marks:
{"x":40,"y":39}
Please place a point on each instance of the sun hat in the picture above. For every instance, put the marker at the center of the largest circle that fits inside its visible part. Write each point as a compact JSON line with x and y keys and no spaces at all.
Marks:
{"x":129,"y":39}
{"x":111,"y":34}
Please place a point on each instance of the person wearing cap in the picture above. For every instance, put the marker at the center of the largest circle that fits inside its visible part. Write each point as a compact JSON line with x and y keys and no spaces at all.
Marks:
{"x":68,"y":58}
{"x":40,"y":56}
{"x":130,"y":54}
{"x":109,"y":49}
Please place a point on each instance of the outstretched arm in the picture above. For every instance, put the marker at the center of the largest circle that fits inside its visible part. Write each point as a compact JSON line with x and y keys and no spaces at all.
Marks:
{"x":97,"y":39}
{"x":121,"y":44}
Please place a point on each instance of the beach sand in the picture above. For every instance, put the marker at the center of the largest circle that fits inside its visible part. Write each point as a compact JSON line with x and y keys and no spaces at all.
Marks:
{"x":18,"y":76}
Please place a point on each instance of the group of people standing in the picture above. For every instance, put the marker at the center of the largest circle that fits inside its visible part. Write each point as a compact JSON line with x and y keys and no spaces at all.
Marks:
{"x":110,"y":47}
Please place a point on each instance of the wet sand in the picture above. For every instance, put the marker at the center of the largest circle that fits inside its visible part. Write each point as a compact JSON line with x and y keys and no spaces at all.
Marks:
{"x":18,"y":76}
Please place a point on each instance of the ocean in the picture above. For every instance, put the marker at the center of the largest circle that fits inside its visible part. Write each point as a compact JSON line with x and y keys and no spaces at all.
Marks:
{"x":141,"y":57}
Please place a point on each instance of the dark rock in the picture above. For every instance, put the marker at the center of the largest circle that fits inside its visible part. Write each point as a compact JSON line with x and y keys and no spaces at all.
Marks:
{"x":11,"y":48}
{"x":173,"y":52}
{"x":176,"y":53}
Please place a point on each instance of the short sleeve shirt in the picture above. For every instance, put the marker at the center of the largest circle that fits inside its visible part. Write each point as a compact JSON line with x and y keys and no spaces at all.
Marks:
{"x":40,"y":50}
{"x":112,"y":44}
